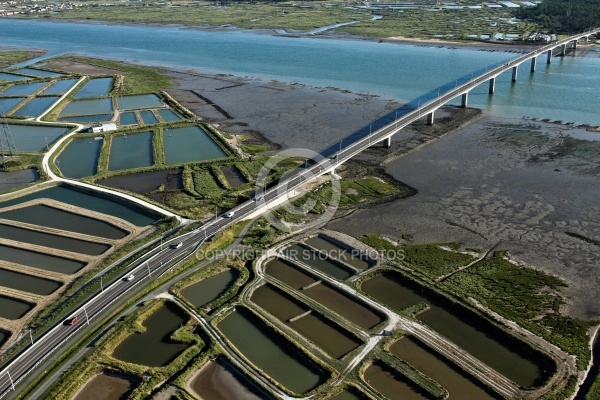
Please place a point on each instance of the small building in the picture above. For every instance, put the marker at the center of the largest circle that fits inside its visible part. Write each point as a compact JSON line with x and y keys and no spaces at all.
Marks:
{"x":98,"y":128}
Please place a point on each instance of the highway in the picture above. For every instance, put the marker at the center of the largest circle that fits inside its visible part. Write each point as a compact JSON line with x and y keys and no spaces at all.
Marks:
{"x":45,"y":345}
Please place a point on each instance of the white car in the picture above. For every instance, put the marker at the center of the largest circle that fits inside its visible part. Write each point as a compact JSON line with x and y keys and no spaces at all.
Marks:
{"x":130,"y":278}
{"x":229,"y":214}
{"x":177,"y":245}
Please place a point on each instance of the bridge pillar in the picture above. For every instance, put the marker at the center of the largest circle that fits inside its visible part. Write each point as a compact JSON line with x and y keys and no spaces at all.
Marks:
{"x":430,"y":118}
{"x":464,"y":99}
{"x":515,"y":72}
{"x":549,"y":56}
{"x":492,"y":85}
{"x":563,"y":49}
{"x":575,"y":44}
{"x":387,"y":142}
{"x":533,"y":59}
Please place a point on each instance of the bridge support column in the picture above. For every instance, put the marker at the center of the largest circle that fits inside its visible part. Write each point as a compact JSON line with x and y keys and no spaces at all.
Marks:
{"x":515,"y":72}
{"x":430,"y":118}
{"x":563,"y":50}
{"x":492,"y":85}
{"x":575,"y":44}
{"x":533,"y":59}
{"x":387,"y":142}
{"x":464,"y":99}
{"x":549,"y":59}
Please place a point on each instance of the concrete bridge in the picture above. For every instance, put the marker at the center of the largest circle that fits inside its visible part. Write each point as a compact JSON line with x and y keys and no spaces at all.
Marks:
{"x":558,"y":48}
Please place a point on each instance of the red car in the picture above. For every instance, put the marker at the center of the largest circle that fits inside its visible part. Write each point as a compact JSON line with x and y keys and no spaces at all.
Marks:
{"x":72,"y":321}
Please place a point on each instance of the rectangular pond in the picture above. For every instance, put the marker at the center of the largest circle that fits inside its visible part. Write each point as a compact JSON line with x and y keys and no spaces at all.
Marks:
{"x":458,"y":384}
{"x":111,"y":206}
{"x":58,"y":219}
{"x":107,"y":387}
{"x":88,"y":118}
{"x":219,"y":380}
{"x":233,"y":175}
{"x":97,"y":87}
{"x":38,"y":72}
{"x":340,"y":252}
{"x":288,"y":273}
{"x":13,"y":179}
{"x":209,"y":289}
{"x":146,"y":182}
{"x":168,"y":115}
{"x":11,"y":308}
{"x":127,"y":118}
{"x":27,"y":283}
{"x":392,"y":384}
{"x":39,"y":260}
{"x":148,"y":117}
{"x":23,"y":89}
{"x":131,"y":151}
{"x":502,"y":352}
{"x":350,"y":394}
{"x":88,"y":107}
{"x":54,"y":241}
{"x":5,"y":76}
{"x":324,"y":333}
{"x":33,"y":138}
{"x":35,"y":107}
{"x":190,"y":144}
{"x":157,"y":337}
{"x":60,"y":87}
{"x":318,"y":261}
{"x":139,"y":101}
{"x":79,"y":158}
{"x":7,"y":104}
{"x":271,"y":352}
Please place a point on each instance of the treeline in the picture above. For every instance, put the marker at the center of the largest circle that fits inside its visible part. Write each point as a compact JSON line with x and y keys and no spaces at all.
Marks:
{"x":563,"y":16}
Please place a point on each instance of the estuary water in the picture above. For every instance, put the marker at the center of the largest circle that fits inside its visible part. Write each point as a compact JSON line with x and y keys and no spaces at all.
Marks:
{"x":566,"y":90}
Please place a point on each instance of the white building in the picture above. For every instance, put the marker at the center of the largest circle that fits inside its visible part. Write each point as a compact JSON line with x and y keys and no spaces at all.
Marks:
{"x":97,"y":128}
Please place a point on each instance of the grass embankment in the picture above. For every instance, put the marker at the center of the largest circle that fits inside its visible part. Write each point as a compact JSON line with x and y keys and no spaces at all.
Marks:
{"x":529,"y":297}
{"x":137,"y":79}
{"x":10,"y":57}
{"x":418,"y":22}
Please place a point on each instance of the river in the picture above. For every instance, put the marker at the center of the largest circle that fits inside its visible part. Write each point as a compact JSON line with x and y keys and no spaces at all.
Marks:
{"x":565,"y":90}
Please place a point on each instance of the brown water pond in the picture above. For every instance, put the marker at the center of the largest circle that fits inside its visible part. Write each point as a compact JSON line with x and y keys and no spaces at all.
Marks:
{"x":499,"y":350}
{"x":336,"y":300}
{"x":53,"y":241}
{"x":333,"y":339}
{"x":318,"y":261}
{"x":209,"y":289}
{"x":27,"y":283}
{"x":271,"y":352}
{"x":11,"y":308}
{"x":459,"y":384}
{"x":391,"y":383}
{"x":107,"y":387}
{"x":159,"y":328}
{"x":39,"y":260}
{"x":339,"y":251}
{"x":219,"y":380}
{"x":64,"y":220}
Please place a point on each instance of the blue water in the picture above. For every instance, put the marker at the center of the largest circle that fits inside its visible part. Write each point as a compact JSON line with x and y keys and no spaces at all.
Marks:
{"x":95,"y":88}
{"x":12,"y":77}
{"x":148,"y":117}
{"x":131,"y":151}
{"x":80,"y":158}
{"x":127,"y":118}
{"x":565,"y":90}
{"x":141,"y":101}
{"x":8,"y":104}
{"x":35,"y":107}
{"x":168,"y":115}
{"x":85,"y":107}
{"x":38,"y":72}
{"x":60,"y":87}
{"x":25,"y":89}
{"x":35,"y":138}
{"x":88,"y":118}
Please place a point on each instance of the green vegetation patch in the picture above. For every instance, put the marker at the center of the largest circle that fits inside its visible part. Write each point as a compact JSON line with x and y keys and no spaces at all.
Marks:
{"x":138,"y":80}
{"x":524,"y":295}
{"x":10,"y":57}
{"x":433,"y":260}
